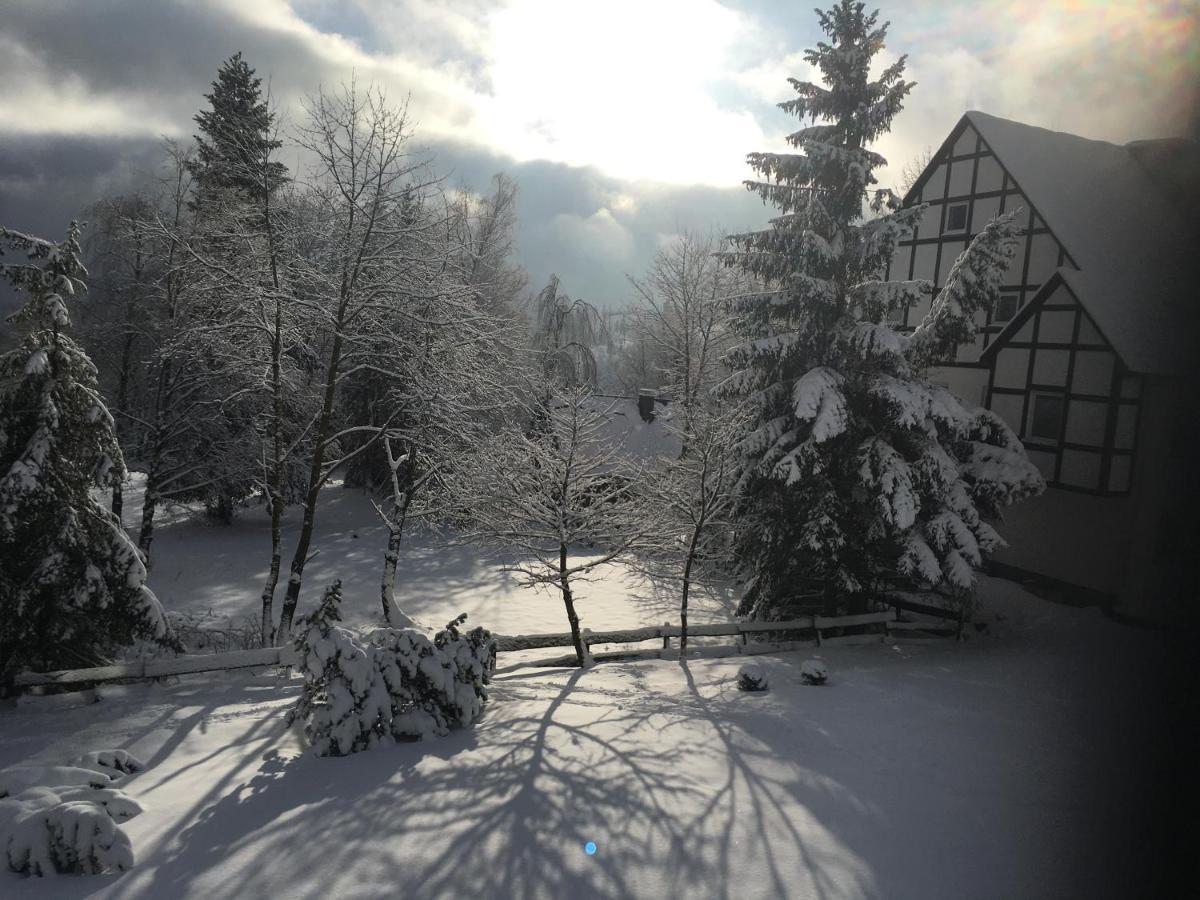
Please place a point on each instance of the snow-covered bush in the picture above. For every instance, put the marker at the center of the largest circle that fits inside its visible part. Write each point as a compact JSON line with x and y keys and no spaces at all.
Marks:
{"x":66,"y":818}
{"x":813,"y":671}
{"x":389,"y":683}
{"x":751,"y":677}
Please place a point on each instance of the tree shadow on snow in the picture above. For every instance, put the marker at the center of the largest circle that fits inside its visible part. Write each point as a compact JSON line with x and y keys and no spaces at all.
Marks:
{"x":681,"y":799}
{"x":712,"y":600}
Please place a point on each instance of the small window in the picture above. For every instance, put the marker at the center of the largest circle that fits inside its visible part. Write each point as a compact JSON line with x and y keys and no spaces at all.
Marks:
{"x":956,"y":217}
{"x":1045,"y":421}
{"x":1006,"y":308}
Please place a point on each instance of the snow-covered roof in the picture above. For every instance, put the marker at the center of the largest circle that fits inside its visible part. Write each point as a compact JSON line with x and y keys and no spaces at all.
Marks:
{"x":1136,"y":268}
{"x":639,"y":440}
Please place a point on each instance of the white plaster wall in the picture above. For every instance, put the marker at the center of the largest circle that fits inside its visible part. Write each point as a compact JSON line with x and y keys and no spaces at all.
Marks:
{"x":967,"y":383}
{"x":1078,"y":538}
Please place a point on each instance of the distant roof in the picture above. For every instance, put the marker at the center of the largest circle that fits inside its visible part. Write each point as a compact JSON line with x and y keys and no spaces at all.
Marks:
{"x":1136,"y":255}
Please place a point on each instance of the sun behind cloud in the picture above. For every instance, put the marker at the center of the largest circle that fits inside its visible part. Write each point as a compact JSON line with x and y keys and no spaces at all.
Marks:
{"x":624,"y":86}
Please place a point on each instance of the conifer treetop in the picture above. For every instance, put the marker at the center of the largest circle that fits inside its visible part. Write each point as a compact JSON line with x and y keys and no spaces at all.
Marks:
{"x":235,"y":141}
{"x":845,"y":115}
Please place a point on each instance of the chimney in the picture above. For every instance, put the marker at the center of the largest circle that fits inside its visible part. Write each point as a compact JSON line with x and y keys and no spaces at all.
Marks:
{"x":646,"y":404}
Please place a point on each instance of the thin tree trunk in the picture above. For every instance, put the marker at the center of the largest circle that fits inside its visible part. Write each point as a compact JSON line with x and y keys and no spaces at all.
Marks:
{"x":687,"y":583}
{"x":275,"y":486}
{"x":391,"y":558}
{"x":315,"y":480}
{"x":268,"y":594}
{"x":275,"y":477}
{"x":150,"y":495}
{"x":149,"y":505}
{"x":122,"y":398}
{"x":569,"y":602}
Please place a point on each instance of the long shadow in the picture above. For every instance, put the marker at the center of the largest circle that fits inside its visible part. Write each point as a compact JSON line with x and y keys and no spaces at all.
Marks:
{"x":750,"y":781}
{"x":505,"y":809}
{"x":713,"y":599}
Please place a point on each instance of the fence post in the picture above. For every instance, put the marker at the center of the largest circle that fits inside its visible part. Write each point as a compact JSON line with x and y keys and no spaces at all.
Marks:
{"x":666,"y":637}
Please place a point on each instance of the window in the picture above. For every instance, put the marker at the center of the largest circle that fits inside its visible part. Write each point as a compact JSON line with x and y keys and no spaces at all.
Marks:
{"x":956,"y":217}
{"x":1045,"y":420}
{"x":1006,"y":308}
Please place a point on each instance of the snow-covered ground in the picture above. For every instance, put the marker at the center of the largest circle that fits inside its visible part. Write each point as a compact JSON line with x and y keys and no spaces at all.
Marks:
{"x":997,"y":767}
{"x":988,"y":768}
{"x":201,"y":567}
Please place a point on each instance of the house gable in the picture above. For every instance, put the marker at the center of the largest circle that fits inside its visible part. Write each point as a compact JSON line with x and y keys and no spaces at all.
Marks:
{"x":966,"y":186}
{"x":1063,"y":388}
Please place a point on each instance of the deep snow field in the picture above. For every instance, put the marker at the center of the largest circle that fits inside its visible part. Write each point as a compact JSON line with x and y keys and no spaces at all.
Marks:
{"x":1003,"y":766}
{"x":201,"y":567}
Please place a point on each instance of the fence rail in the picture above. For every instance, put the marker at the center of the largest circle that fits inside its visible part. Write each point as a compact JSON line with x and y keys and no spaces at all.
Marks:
{"x":286,"y":656}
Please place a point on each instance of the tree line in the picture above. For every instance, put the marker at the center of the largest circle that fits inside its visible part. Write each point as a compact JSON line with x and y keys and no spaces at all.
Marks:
{"x":257,"y":329}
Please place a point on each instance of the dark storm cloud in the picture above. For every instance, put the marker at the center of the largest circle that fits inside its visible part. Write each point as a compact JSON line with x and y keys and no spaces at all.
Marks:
{"x":589,"y":228}
{"x":84,"y":77}
{"x":567,"y":223}
{"x":592,"y":229}
{"x":46,"y":181}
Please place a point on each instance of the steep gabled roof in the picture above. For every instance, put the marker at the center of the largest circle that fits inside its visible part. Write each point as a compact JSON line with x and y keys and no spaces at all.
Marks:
{"x":1062,"y":276}
{"x":1136,"y":265}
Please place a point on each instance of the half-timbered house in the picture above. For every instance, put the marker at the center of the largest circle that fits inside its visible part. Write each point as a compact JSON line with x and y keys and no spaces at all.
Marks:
{"x":1086,"y":354}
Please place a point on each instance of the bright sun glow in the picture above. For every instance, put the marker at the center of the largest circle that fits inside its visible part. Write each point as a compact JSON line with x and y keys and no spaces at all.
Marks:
{"x":624,"y":86}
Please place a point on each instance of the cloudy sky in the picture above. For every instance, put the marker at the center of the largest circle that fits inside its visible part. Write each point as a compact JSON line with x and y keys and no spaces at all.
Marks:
{"x":624,"y":121}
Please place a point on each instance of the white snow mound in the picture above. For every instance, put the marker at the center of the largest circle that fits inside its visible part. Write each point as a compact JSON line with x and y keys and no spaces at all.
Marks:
{"x":65,"y":819}
{"x":813,"y":671}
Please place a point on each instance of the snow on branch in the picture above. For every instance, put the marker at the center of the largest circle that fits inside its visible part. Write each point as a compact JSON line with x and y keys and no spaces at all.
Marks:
{"x":66,"y":819}
{"x":818,"y":398}
{"x":972,"y":286}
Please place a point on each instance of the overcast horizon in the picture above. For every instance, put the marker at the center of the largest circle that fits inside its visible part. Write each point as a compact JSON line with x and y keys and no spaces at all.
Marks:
{"x":623,"y":123}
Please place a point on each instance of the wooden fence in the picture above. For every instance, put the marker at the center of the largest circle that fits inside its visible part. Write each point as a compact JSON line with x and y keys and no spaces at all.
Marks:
{"x":286,"y":656}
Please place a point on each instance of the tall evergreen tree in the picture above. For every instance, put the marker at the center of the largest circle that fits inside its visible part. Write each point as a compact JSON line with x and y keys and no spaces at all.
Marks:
{"x":857,"y":471}
{"x":236,"y":142}
{"x":72,"y":585}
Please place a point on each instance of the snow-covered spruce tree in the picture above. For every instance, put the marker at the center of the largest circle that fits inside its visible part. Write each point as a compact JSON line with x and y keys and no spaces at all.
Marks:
{"x":244,"y":248}
{"x":236,"y":145}
{"x":857,"y":472}
{"x":72,"y":585}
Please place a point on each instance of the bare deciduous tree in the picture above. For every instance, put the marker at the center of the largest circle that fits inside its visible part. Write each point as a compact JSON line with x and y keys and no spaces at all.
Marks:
{"x":692,"y":498}
{"x":562,"y":496}
{"x":364,"y":180}
{"x":682,"y":316}
{"x":913,"y":168}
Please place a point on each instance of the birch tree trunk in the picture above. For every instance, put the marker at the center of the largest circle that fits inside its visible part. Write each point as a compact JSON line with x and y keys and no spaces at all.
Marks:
{"x":391,"y":559}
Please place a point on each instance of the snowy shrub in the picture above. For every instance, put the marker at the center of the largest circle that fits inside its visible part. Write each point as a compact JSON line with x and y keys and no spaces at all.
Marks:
{"x":813,"y":671}
{"x":751,"y":678}
{"x":207,"y":632}
{"x":65,"y":819}
{"x":389,"y":683}
{"x":118,"y":762}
